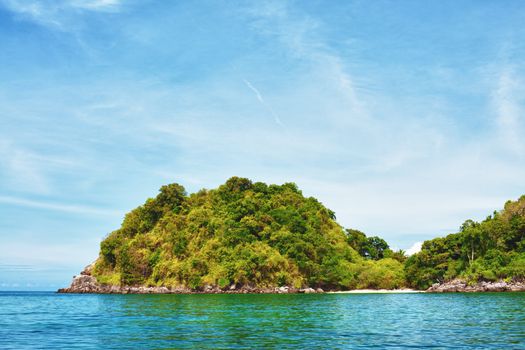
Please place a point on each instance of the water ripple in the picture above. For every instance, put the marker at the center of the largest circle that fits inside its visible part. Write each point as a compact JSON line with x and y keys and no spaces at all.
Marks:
{"x":342,"y":321}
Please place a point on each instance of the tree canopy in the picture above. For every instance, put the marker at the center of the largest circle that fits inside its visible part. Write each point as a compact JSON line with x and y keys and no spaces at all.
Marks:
{"x":246,"y":233}
{"x":243,"y":233}
{"x":481,"y":251}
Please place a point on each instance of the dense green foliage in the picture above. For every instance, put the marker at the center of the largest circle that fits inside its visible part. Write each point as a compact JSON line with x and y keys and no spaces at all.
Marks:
{"x":242,"y":233}
{"x":490,"y":250}
{"x":374,"y":247}
{"x":246,"y":233}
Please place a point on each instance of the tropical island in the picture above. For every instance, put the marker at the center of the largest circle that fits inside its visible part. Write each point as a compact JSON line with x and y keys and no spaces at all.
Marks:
{"x":246,"y":237}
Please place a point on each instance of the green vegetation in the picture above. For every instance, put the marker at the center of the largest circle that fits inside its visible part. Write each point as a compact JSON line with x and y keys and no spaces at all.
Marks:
{"x":243,"y":233}
{"x":260,"y":235}
{"x":487,"y":251}
{"x":374,"y":248}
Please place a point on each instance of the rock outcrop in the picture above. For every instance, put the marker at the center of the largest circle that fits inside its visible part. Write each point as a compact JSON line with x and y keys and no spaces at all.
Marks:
{"x":458,"y":285}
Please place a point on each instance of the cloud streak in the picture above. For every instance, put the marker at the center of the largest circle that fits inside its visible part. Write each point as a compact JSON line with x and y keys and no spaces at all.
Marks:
{"x":261,"y":100}
{"x":66,"y":208}
{"x":509,"y":112}
{"x":22,"y":169}
{"x":58,"y":14}
{"x":96,"y":5}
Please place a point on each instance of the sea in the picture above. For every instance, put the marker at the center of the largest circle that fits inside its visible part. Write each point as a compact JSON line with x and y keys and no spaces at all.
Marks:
{"x":46,"y":320}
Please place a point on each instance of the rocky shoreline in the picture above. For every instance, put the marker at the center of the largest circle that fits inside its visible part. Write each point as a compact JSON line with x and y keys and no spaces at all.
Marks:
{"x":85,"y":283}
{"x":460,"y":286}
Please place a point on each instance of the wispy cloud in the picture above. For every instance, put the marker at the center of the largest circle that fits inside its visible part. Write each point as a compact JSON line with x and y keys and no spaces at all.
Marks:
{"x":24,"y":268}
{"x":300,"y":35}
{"x":96,"y":5}
{"x":22,"y":169}
{"x":510,"y":116}
{"x":261,"y":100}
{"x":67,"y":208}
{"x":16,"y":267}
{"x":57,"y":14}
{"x":257,"y":93}
{"x":36,"y":11}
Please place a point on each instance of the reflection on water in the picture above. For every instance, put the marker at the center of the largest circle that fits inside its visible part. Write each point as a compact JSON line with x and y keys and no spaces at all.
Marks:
{"x":47,"y":320}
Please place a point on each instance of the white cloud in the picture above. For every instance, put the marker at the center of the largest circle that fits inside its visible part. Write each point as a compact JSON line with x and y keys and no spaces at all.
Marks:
{"x":415,"y":248}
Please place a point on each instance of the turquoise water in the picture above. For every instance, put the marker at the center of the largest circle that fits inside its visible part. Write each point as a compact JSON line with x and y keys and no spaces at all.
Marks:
{"x":31,"y":320}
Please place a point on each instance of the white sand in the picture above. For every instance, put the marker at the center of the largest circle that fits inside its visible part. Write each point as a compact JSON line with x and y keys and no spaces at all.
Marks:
{"x":378,"y":291}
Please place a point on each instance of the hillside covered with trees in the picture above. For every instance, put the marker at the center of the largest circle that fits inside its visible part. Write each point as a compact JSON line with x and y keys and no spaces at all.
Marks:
{"x":490,"y":250}
{"x":243,"y":233}
{"x":265,"y":236}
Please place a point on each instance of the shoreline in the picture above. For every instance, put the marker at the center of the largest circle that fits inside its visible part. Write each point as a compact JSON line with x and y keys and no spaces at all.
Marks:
{"x":378,"y":291}
{"x":277,"y":290}
{"x":87,"y":284}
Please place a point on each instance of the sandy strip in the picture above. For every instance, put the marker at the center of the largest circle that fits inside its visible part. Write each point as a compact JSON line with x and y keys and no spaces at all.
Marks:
{"x":378,"y":291}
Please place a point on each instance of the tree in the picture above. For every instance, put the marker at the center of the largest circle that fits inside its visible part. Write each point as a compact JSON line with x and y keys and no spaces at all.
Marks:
{"x":376,"y":247}
{"x":487,"y":250}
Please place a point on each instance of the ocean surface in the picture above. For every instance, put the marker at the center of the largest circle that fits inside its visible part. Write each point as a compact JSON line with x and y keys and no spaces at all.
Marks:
{"x":45,"y":320}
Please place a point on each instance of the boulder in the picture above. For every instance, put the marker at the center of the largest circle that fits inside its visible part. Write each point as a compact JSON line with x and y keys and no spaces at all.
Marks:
{"x":283,"y":289}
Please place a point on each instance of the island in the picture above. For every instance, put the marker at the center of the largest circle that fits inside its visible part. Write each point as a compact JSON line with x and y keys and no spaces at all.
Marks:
{"x":250,"y":237}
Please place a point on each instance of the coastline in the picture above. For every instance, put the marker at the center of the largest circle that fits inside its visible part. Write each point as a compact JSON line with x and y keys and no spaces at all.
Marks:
{"x":378,"y":291}
{"x":85,"y":283}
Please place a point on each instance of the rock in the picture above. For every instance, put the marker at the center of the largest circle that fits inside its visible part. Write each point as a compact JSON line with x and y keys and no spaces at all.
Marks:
{"x":496,"y":287}
{"x":88,"y":269}
{"x":319,"y":290}
{"x":452,"y":286}
{"x":283,"y":289}
{"x":83,"y":284}
{"x":307,"y":290}
{"x":461,"y":286}
{"x":162,"y":290}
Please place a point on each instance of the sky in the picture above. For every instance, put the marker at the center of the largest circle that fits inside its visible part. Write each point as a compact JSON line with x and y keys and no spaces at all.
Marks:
{"x":404,"y":117}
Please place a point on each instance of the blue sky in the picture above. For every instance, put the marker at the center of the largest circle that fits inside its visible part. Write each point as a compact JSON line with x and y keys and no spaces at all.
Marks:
{"x":404,"y":117}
